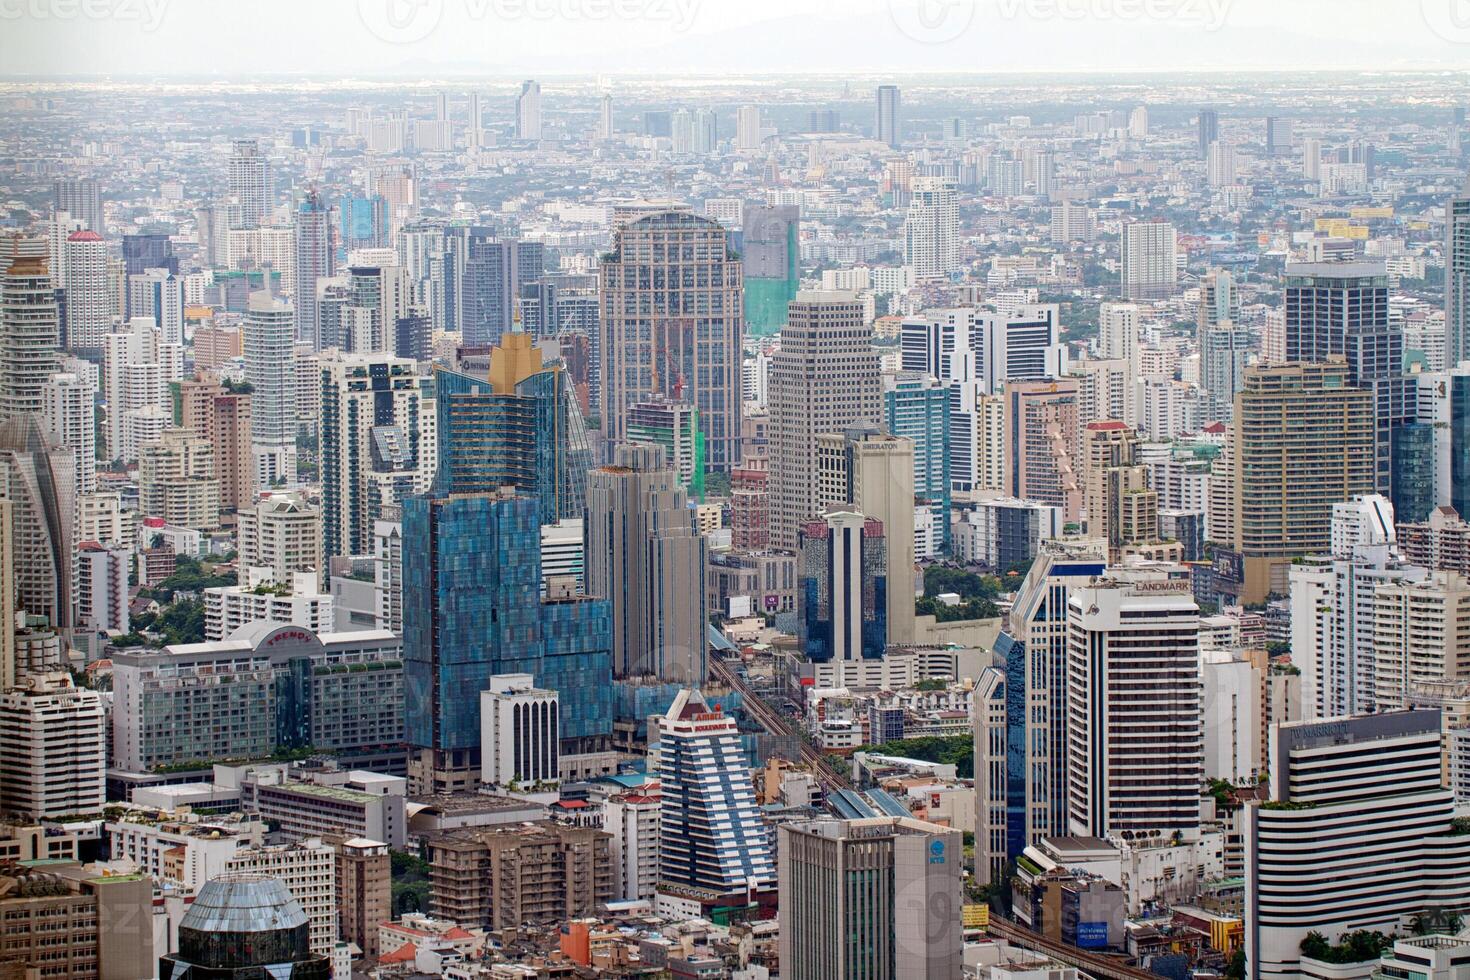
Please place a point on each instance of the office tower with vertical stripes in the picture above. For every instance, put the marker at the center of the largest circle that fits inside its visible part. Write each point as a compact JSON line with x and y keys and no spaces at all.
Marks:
{"x":672,"y":322}
{"x":312,"y":230}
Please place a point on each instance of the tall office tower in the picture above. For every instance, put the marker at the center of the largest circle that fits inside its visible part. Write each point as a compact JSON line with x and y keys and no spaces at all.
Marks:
{"x":270,"y":331}
{"x":1043,"y":444}
{"x":1071,"y":221}
{"x":680,"y":339}
{"x":312,"y":230}
{"x":1282,"y":502}
{"x":1341,"y":308}
{"x":931,"y":244}
{"x":706,"y":131}
{"x":1278,"y":136}
{"x":475,"y":124}
{"x":364,"y":310}
{"x":1370,"y":786}
{"x":377,"y":444}
{"x":842,"y":587}
{"x":772,"y":253}
{"x":1457,"y":277}
{"x":656,"y":421}
{"x":945,"y":343}
{"x":1312,"y":159}
{"x":990,"y":743}
{"x":91,"y":293}
{"x":159,"y":294}
{"x":519,"y":427}
{"x":642,"y":552}
{"x":30,"y":326}
{"x":1024,"y":345}
{"x":1224,"y":350}
{"x":1421,"y":636}
{"x":52,"y":748}
{"x":528,"y":111}
{"x":748,"y":129}
{"x":71,"y":421}
{"x":213,"y":412}
{"x":1149,"y":263}
{"x":887,"y":118}
{"x":713,"y":842}
{"x":251,"y":188}
{"x":1208,"y":131}
{"x":41,"y":486}
{"x":1138,"y":123}
{"x":1134,"y":741}
{"x":877,"y":898}
{"x":81,"y":198}
{"x":917,"y":407}
{"x":364,"y":222}
{"x":484,"y":275}
{"x":472,"y":609}
{"x":681,"y":132}
{"x":605,"y":117}
{"x":149,"y":251}
{"x":7,"y":594}
{"x":865,"y":469}
{"x":825,"y":337}
{"x":1033,"y":649}
{"x":1117,"y":332}
{"x":1332,"y":608}
{"x":244,"y":925}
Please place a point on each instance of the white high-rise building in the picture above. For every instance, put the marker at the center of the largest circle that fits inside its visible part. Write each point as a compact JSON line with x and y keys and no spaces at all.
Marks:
{"x":1332,"y":601}
{"x":1024,"y":346}
{"x":931,"y":229}
{"x":1149,"y":260}
{"x":528,"y":111}
{"x":91,"y":292}
{"x":1457,"y":277}
{"x":1358,"y":834}
{"x":520,"y":733}
{"x":1138,"y":123}
{"x":30,"y":326}
{"x":159,"y":294}
{"x":136,"y":373}
{"x":52,"y":748}
{"x":1220,"y":165}
{"x":270,"y":331}
{"x":251,"y":189}
{"x":70,"y":413}
{"x":1071,"y":221}
{"x":748,"y":129}
{"x":1134,"y":739}
{"x":1312,"y":159}
{"x":308,"y":869}
{"x":102,"y":588}
{"x":1421,"y":636}
{"x":1117,"y":331}
{"x":282,"y":532}
{"x":605,"y":117}
{"x":633,"y":821}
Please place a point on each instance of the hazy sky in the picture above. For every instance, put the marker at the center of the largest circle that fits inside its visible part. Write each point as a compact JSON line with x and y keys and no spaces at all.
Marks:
{"x":362,"y":38}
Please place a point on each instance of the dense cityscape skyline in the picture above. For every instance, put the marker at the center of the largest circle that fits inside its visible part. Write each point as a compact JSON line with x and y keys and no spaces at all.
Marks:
{"x":891,"y":490}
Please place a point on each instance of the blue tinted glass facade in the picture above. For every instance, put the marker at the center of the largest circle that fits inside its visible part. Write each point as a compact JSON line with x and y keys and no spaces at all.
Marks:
{"x":471,"y":590}
{"x":920,"y":411}
{"x":364,"y":222}
{"x":533,"y":440}
{"x":1413,"y":471}
{"x":1460,"y":444}
{"x":1013,"y":653}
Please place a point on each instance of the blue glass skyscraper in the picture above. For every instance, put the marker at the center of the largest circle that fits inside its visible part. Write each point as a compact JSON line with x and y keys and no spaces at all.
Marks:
{"x":917,"y":407}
